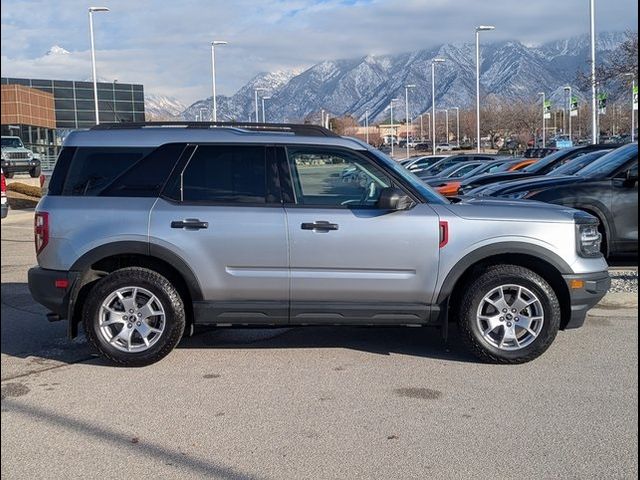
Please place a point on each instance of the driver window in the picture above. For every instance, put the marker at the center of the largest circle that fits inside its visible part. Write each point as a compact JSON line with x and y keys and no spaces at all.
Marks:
{"x":328,"y":178}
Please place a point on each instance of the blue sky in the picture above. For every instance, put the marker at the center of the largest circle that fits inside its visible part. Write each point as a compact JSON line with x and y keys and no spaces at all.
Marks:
{"x":165,"y":44}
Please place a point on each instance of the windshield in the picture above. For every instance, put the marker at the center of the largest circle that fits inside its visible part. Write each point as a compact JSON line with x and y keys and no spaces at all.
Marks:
{"x":11,"y":142}
{"x":611,"y":162}
{"x":579,"y":163}
{"x":429,"y":195}
{"x":544,"y":162}
{"x":459,"y":170}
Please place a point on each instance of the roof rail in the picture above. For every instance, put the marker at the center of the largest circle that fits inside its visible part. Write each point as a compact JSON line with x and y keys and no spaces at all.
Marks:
{"x":297,"y":129}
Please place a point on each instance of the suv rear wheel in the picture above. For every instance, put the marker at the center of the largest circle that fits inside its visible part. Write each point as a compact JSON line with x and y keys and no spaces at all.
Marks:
{"x":134,"y":317}
{"x":510,"y":314}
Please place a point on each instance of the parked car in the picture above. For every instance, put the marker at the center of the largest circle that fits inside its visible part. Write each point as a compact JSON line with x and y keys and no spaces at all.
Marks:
{"x":447,"y":161}
{"x":571,"y":167}
{"x":606,"y":188}
{"x":4,"y":204}
{"x":419,"y":164}
{"x":16,"y":158}
{"x":449,"y":186}
{"x":540,"y":167}
{"x":574,"y":166}
{"x":444,"y":147}
{"x":422,"y":147}
{"x":233,"y":226}
{"x":456,"y":170}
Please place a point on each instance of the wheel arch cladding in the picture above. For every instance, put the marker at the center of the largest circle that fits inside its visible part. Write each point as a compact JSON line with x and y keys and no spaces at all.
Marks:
{"x":541,"y":261}
{"x":105,"y":259}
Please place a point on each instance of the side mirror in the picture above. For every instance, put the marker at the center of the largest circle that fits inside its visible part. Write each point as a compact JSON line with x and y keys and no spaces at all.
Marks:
{"x":392,"y":198}
{"x":632,"y":175}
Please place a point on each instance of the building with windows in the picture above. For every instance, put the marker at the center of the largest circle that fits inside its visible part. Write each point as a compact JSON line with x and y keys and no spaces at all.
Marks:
{"x":73,"y":107}
{"x":29,"y":114}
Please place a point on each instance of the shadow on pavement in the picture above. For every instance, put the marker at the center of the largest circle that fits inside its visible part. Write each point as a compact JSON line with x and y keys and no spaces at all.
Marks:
{"x":26,"y":333}
{"x":419,"y":342}
{"x":132,"y":445}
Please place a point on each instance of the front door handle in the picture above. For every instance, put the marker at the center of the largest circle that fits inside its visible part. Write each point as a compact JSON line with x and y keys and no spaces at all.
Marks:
{"x":189,"y":224}
{"x":319,"y":225}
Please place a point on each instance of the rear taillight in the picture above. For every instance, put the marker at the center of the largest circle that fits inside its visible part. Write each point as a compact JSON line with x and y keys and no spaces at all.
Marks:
{"x":41,"y":231}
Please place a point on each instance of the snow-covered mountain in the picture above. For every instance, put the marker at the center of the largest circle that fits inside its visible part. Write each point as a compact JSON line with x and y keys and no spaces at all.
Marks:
{"x":160,"y":107}
{"x":509,"y":70}
{"x":57,"y":50}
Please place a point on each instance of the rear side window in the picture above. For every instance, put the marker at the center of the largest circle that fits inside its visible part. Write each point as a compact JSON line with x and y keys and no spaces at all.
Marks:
{"x":222,"y":174}
{"x":113,"y":171}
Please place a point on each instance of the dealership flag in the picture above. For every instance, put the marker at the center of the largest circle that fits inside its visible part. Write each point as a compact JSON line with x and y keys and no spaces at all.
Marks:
{"x":574,"y":106}
{"x":635,"y":97}
{"x":602,"y":103}
{"x":547,"y":109}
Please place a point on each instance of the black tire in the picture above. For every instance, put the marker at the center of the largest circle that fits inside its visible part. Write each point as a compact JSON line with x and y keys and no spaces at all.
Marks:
{"x":494,"y":277}
{"x":154,"y":283}
{"x":9,"y":174}
{"x":35,"y":172}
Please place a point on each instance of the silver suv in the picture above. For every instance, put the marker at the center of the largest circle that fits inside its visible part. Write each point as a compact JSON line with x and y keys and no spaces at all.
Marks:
{"x":149,"y":230}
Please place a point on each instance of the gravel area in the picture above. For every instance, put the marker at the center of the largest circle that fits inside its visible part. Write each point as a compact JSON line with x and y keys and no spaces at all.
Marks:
{"x":624,"y":281}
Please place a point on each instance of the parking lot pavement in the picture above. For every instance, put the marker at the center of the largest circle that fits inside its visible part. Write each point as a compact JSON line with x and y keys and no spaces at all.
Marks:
{"x":311,"y":403}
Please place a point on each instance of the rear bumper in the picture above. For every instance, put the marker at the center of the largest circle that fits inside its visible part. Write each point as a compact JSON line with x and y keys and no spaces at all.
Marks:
{"x":583,"y":298}
{"x":42,"y":285}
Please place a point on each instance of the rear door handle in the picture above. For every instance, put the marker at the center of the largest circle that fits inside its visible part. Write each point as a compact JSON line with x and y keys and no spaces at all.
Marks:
{"x":319,"y":225}
{"x":189,"y":224}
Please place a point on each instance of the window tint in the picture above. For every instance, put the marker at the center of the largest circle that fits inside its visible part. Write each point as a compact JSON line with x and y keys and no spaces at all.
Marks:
{"x":93,"y":168}
{"x":223,"y":174}
{"x":107,"y":171}
{"x":331,"y":178}
{"x":146,"y":177}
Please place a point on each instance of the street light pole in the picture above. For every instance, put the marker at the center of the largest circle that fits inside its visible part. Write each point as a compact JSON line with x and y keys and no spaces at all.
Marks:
{"x":457,"y":109}
{"x":214,"y":101}
{"x":568,"y":90}
{"x":544,"y":120}
{"x":446,"y":121}
{"x":594,"y":99}
{"x":264,"y":115}
{"x":255,"y":91}
{"x":366,"y":125}
{"x":406,"y":118}
{"x":433,"y":100}
{"x":93,"y":58}
{"x":481,"y":28}
{"x":391,"y":123}
{"x":633,"y":104}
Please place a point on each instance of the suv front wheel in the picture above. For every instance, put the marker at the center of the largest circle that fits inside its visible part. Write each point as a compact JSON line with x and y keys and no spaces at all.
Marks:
{"x":510,"y":314}
{"x":134,"y":316}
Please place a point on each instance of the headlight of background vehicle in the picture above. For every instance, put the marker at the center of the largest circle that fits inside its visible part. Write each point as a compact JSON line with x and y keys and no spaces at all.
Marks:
{"x":588,"y":238}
